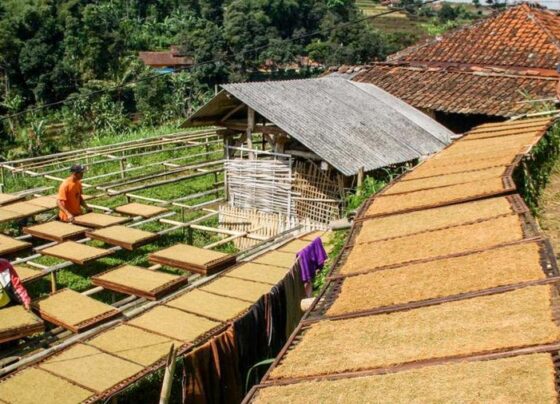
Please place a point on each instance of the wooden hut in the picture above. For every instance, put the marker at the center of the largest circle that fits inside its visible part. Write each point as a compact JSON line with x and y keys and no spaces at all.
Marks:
{"x":294,"y":147}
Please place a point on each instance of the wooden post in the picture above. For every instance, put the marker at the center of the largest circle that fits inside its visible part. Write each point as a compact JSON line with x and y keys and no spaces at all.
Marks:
{"x":168,"y":376}
{"x":280,"y":144}
{"x":183,"y":219}
{"x":190,"y":235}
{"x":226,"y":155}
{"x":122,"y":163}
{"x":360,"y":181}
{"x":53,"y":282}
{"x":250,"y":129}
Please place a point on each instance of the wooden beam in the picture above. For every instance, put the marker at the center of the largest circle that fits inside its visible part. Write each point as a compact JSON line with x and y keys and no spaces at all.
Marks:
{"x":233,"y":111}
{"x":304,"y":154}
{"x":241,"y":127}
{"x":250,"y":129}
{"x":360,"y":181}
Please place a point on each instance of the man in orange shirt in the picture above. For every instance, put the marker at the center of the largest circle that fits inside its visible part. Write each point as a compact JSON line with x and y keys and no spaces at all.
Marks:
{"x":70,"y":199}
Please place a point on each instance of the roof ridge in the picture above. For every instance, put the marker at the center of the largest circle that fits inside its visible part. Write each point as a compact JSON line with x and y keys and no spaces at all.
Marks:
{"x":434,"y":40}
{"x":537,"y":19}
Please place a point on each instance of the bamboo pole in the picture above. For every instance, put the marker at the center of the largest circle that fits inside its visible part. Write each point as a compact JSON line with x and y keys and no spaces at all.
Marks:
{"x":58,"y":158}
{"x":168,"y":376}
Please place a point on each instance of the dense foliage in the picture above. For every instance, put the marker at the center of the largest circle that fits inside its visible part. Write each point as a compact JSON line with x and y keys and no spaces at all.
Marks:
{"x":533,"y":173}
{"x":85,"y":53}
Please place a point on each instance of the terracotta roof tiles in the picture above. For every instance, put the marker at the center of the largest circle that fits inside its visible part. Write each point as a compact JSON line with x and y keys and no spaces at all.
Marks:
{"x":521,"y":36}
{"x":164,"y":59}
{"x":492,"y":67}
{"x":460,"y":92}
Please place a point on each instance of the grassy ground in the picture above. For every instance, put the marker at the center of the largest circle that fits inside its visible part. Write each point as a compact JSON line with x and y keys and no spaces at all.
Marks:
{"x":78,"y":277}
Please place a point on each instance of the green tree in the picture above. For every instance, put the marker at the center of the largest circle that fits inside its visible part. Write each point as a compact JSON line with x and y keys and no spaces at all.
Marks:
{"x":447,"y":13}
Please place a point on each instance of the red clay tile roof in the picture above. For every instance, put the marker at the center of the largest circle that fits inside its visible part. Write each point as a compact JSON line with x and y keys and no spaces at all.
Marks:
{"x":164,"y":59}
{"x":460,"y":91}
{"x":522,"y":36}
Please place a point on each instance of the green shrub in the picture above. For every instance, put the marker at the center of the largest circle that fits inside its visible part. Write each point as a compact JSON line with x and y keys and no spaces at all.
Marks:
{"x":533,"y":172}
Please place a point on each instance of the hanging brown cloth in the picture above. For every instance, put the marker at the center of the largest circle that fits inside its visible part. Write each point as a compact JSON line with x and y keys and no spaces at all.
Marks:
{"x":211,"y":372}
{"x":294,"y":292}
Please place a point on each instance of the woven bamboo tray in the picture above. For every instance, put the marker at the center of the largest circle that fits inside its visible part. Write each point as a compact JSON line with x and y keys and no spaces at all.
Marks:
{"x":8,"y":215}
{"x":248,"y":291}
{"x":48,"y":201}
{"x":485,"y":134}
{"x":491,"y":273}
{"x":74,"y":252}
{"x":428,"y":246}
{"x":313,"y":235}
{"x":174,"y":323}
{"x":56,"y":231}
{"x":137,"y":281}
{"x":28,"y":274}
{"x":99,"y":220}
{"x":140,"y":209}
{"x":445,"y":162}
{"x":504,"y":375}
{"x":209,"y":305}
{"x":18,"y":323}
{"x":193,"y":259}
{"x":252,"y":271}
{"x":445,"y":180}
{"x":122,"y":236}
{"x":90,"y":367}
{"x":537,"y":127}
{"x":498,"y":126}
{"x":133,"y":344}
{"x":386,"y":227}
{"x":32,"y":385}
{"x":6,"y":199}
{"x":385,"y":355}
{"x":277,"y":258}
{"x":429,"y":198}
{"x":415,"y":200}
{"x":26,"y":209}
{"x":517,"y":143}
{"x":10,"y":245}
{"x":166,"y":326}
{"x":73,"y":311}
{"x":294,"y":246}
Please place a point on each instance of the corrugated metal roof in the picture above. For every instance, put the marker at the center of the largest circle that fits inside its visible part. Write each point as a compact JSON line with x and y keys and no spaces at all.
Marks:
{"x":350,"y":125}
